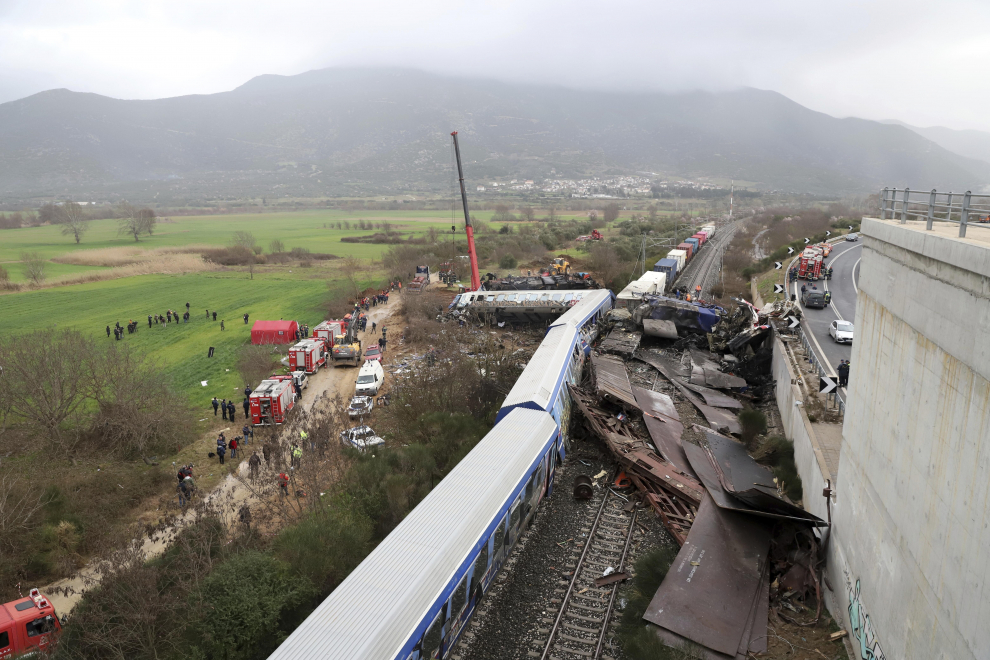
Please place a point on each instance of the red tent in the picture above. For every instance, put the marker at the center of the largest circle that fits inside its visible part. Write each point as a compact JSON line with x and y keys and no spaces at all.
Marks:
{"x":274,"y":332}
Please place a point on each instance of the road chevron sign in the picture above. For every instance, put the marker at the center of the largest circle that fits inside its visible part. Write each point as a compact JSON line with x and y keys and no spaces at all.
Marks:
{"x":828,"y":233}
{"x":825,"y":384}
{"x":806,"y":241}
{"x":850,"y":227}
{"x":778,"y":288}
{"x":794,"y":322}
{"x":777,"y":265}
{"x":790,"y":250}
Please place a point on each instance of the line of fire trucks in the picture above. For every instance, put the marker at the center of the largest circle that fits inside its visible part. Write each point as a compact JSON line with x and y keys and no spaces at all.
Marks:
{"x":332,"y":342}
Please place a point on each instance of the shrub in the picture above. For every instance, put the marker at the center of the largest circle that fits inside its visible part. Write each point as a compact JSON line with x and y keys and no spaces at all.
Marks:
{"x":507,"y":261}
{"x":326,"y":545}
{"x":778,"y":453}
{"x":753,"y":423}
{"x":245,"y":603}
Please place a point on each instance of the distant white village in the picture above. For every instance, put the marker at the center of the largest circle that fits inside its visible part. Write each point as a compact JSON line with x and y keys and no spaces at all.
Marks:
{"x":595,"y":188}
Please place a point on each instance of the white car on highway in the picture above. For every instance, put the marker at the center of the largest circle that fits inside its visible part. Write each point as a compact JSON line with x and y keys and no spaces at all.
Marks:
{"x":841,"y":332}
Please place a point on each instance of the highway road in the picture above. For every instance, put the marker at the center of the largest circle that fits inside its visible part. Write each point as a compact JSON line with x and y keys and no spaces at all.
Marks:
{"x":844,"y":260}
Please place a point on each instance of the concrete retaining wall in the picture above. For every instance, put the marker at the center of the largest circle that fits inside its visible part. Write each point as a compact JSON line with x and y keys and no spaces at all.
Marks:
{"x":909,"y":552}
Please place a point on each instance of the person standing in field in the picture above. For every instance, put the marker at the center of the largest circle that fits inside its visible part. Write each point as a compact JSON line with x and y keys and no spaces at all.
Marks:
{"x":108,"y":332}
{"x":231,"y":409}
{"x":214,"y":316}
{"x":221,"y":325}
{"x":233,"y":446}
{"x":223,"y":409}
{"x":216,"y":404}
{"x":247,"y":408}
{"x":283,"y":485}
{"x":245,"y":319}
{"x":254,"y":464}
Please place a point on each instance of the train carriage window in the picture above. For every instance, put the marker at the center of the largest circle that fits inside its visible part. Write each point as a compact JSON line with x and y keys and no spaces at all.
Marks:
{"x":557,"y":296}
{"x":459,"y":599}
{"x":514,"y":517}
{"x":529,"y":491}
{"x":480,"y":565}
{"x":431,"y":640}
{"x":499,"y":536}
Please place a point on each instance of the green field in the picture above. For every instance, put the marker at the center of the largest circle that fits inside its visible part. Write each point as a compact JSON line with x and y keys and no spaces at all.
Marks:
{"x":305,"y":229}
{"x":90,"y":307}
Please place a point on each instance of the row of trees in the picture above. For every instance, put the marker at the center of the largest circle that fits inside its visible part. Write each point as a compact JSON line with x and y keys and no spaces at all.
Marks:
{"x":74,"y":219}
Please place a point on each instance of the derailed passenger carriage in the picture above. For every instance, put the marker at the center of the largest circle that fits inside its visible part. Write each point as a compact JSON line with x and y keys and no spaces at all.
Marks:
{"x":411,"y":598}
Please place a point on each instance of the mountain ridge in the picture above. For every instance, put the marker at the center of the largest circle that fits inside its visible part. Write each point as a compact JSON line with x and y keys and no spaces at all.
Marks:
{"x":340,"y":131}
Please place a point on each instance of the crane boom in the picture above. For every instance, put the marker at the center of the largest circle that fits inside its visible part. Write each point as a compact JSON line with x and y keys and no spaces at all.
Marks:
{"x":468,"y":227}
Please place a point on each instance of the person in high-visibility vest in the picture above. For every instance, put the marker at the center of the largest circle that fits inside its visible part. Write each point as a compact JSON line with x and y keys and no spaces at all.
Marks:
{"x":303,"y":437}
{"x":296,"y":455}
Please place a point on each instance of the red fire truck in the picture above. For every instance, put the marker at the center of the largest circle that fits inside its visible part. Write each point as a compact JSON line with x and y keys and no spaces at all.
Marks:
{"x":271,"y":402}
{"x":308,"y":355}
{"x":26,"y":624}
{"x":810,"y":263}
{"x":328,"y":331}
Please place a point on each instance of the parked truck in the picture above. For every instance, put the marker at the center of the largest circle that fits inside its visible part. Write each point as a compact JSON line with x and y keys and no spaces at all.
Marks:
{"x":347,"y":348}
{"x":26,"y":625}
{"x":272,"y":401}
{"x":328,"y":331}
{"x":308,"y":355}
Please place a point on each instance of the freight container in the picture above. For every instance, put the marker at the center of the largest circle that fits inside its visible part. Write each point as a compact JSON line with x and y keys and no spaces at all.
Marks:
{"x":680,"y":256}
{"x":667,"y":266}
{"x":689,"y":249}
{"x":695,"y":242}
{"x":701,"y":236}
{"x":709,"y":229}
{"x":651,"y":283}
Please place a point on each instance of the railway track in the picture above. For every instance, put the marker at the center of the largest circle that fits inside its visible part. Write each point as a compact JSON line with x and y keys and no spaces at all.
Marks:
{"x":704,"y":270}
{"x":582,"y":621}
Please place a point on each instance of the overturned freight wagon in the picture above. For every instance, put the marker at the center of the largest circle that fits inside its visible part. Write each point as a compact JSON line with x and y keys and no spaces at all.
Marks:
{"x":668,"y":317}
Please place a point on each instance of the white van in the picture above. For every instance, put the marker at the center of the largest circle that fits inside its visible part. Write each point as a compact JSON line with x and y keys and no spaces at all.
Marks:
{"x":370,"y":378}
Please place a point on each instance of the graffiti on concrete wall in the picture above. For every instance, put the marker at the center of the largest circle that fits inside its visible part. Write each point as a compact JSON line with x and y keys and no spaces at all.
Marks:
{"x":863,"y":637}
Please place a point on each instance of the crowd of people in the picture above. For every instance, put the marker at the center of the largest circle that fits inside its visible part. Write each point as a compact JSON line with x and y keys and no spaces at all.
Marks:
{"x":170,"y":316}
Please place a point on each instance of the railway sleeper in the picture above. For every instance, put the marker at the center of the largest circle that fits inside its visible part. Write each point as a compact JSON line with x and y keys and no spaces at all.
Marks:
{"x":586,"y":608}
{"x":574,"y":626}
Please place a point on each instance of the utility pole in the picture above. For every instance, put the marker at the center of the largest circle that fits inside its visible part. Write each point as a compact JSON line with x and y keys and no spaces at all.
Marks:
{"x":732,"y":189}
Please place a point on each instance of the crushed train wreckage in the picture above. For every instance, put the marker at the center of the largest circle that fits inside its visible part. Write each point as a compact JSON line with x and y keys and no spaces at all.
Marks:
{"x":745,"y":549}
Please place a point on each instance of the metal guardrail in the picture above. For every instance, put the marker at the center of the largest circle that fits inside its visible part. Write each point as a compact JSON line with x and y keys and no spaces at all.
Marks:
{"x":820,"y":370}
{"x":964,"y":209}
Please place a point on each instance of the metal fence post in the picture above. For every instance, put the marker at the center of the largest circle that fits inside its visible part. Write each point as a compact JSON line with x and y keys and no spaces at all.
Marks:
{"x":948,"y":208}
{"x":931,"y":210}
{"x":907,"y":192}
{"x":964,"y":216}
{"x":883,"y":205}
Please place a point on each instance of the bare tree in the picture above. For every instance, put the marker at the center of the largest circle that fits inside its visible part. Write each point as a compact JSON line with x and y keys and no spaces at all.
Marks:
{"x":73,"y":220}
{"x":552,"y":214}
{"x":34,"y":267}
{"x":528,"y":213}
{"x":351,"y":268}
{"x":44,"y":384}
{"x":135,"y":221}
{"x":244,"y":239}
{"x":276,"y":246}
{"x":611,"y":212}
{"x":19,"y":504}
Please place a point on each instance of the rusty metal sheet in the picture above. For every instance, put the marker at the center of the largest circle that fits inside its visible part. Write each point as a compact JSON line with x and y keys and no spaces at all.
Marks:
{"x":656,"y":403}
{"x":677,"y":514}
{"x":666,"y":434}
{"x":715,"y":378}
{"x":709,"y":591}
{"x":611,"y":379}
{"x":664,"y":329}
{"x":720,"y":419}
{"x":715,"y":398}
{"x":662,"y":473}
{"x":739,"y":470}
{"x":708,"y":474}
{"x":620,"y":341}
{"x":612,"y":579}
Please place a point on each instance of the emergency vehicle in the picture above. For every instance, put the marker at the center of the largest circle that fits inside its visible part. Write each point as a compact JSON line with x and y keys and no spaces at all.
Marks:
{"x":272,"y":401}
{"x":328,"y":331}
{"x":810,"y":263}
{"x":26,"y":624}
{"x":308,"y":355}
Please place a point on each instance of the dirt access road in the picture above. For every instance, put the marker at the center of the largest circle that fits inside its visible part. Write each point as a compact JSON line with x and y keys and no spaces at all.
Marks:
{"x":230,"y":494}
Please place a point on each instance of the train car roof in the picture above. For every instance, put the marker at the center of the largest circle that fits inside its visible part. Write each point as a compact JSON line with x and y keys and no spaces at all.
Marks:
{"x":542,"y":378}
{"x":380,"y":604}
{"x":579,"y":314}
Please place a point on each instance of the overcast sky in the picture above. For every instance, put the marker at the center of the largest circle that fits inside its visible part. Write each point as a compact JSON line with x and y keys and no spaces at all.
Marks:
{"x":922,"y":62}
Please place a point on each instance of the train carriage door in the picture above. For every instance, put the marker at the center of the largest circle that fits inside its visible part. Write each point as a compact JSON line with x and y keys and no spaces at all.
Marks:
{"x":498,"y":541}
{"x":515,"y":515}
{"x":458,"y":603}
{"x":478,"y":577}
{"x":551,"y":469}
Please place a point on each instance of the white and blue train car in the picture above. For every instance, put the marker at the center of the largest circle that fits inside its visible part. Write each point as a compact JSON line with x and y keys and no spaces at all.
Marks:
{"x":559,"y":361}
{"x":588,"y":314}
{"x":411,"y":598}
